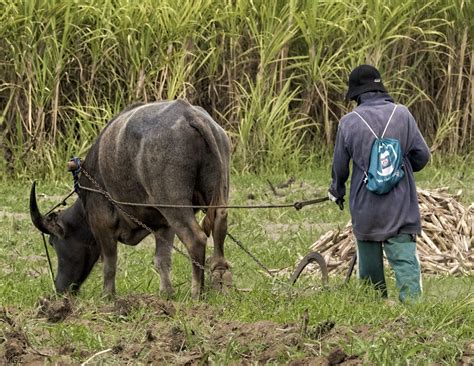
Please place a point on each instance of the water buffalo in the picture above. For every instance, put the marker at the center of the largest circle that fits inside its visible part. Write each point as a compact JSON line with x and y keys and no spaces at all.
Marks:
{"x":166,"y":152}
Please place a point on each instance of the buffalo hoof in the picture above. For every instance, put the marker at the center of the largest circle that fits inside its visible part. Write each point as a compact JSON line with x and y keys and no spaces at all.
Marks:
{"x":167,"y":293}
{"x":221,"y":280}
{"x":108,"y":296}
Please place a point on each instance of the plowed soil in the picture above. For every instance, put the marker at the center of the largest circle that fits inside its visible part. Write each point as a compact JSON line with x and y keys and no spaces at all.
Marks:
{"x":177,"y":335}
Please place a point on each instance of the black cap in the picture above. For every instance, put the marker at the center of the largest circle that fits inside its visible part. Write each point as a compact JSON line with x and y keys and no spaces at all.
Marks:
{"x":364,"y":78}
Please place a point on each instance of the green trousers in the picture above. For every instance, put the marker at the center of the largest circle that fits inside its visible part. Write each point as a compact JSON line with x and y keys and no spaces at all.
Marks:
{"x":401,"y":254}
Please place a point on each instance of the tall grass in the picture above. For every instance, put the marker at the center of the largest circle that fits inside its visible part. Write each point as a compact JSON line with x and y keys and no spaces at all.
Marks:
{"x":273,"y":73}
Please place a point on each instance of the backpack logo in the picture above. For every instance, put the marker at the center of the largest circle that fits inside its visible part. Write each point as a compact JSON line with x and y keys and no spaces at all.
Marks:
{"x":387,"y":154}
{"x":386,"y":163}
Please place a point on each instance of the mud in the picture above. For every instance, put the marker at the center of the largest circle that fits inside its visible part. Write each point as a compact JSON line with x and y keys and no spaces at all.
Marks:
{"x":181,"y":334}
{"x":54,"y":310}
{"x":15,"y":346}
{"x":467,"y":357}
{"x":174,"y":340}
{"x":124,"y":306}
{"x":337,"y":356}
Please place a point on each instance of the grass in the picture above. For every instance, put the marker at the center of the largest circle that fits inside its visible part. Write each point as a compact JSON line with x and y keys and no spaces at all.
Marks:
{"x":243,"y":324}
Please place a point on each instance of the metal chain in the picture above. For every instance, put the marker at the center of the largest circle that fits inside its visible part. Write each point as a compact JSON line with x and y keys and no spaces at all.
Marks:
{"x":134,"y":219}
{"x":239,"y":243}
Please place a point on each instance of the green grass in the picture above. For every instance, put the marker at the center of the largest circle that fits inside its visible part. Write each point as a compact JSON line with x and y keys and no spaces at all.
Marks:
{"x":435,"y":330}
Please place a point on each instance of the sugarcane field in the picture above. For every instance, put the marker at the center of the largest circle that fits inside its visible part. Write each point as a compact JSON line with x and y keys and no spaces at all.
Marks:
{"x":236,"y":182}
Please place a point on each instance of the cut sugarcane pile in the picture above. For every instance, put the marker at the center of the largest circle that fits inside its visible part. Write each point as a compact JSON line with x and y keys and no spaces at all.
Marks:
{"x":444,"y":246}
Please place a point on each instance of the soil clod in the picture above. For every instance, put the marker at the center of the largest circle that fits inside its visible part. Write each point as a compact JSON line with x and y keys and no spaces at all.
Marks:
{"x":337,"y":356}
{"x":15,"y":346}
{"x":177,"y":340}
{"x":149,"y":336}
{"x":117,"y":348}
{"x":125,"y":306}
{"x":54,"y":310}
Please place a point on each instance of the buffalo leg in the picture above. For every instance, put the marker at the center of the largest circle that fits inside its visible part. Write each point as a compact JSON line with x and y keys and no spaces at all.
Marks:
{"x":109,"y":253}
{"x":164,"y":244}
{"x":221,"y":275}
{"x":190,"y":233}
{"x":102,"y":229}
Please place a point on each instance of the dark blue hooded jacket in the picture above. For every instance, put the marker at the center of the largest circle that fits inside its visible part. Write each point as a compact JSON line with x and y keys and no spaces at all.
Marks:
{"x":379,"y":217}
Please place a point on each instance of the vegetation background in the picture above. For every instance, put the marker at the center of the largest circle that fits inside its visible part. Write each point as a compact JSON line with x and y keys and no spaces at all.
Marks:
{"x":273,"y":73}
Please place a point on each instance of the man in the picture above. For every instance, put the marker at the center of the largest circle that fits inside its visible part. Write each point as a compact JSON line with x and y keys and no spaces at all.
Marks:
{"x":381,"y":222}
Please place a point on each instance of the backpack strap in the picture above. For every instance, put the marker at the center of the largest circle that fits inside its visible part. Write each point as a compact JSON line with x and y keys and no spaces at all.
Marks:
{"x":370,"y":128}
{"x":393,"y":112}
{"x":363,"y":120}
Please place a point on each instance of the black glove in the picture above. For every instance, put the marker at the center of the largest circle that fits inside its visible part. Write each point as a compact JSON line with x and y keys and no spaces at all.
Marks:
{"x":338,"y":200}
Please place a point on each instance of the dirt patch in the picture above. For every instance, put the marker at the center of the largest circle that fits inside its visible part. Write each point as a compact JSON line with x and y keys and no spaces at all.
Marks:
{"x":337,"y":356}
{"x":259,"y":342}
{"x":467,"y":357}
{"x":177,"y":339}
{"x":124,"y":306}
{"x":264,"y":341}
{"x":15,"y":346}
{"x":190,"y":335}
{"x":187,"y":335}
{"x":309,"y":361}
{"x":54,"y":310}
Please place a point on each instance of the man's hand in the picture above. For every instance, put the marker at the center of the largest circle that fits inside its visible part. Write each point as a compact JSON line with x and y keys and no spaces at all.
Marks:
{"x":338,"y":200}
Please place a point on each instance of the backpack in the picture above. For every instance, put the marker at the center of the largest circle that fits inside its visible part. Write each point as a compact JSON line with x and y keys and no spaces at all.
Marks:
{"x":386,"y":162}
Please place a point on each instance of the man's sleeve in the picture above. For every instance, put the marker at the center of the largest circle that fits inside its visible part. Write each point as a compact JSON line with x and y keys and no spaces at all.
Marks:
{"x":419,"y":152}
{"x":340,"y":166}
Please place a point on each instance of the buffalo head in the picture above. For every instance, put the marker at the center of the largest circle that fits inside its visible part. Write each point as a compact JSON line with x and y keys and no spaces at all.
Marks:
{"x":72,"y":240}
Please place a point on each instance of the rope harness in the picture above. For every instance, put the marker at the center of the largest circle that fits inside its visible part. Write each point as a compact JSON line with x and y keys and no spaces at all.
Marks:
{"x":296,"y":205}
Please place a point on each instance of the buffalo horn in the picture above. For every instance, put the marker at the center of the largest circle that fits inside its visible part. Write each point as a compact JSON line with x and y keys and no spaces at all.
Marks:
{"x":38,"y":220}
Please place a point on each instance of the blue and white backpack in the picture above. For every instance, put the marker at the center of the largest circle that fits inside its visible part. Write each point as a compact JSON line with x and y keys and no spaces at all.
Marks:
{"x":386,"y":162}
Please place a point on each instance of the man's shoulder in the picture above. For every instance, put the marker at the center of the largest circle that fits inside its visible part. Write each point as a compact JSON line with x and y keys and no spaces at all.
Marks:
{"x":403,"y":108}
{"x":348,"y":120}
{"x":347,"y":117}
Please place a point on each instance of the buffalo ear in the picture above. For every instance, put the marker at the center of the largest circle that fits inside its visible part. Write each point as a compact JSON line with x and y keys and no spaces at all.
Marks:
{"x":54,"y":222}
